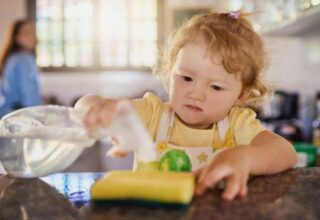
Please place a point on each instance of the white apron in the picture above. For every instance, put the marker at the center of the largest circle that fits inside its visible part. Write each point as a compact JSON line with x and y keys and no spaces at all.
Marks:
{"x":200,"y":155}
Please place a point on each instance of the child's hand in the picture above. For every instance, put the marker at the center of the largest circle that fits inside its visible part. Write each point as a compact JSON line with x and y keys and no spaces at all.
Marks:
{"x":231,"y":165}
{"x":115,"y":151}
{"x":100,"y":115}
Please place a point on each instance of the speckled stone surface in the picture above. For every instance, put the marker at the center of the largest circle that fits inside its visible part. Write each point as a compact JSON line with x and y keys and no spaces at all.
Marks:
{"x":294,"y":194}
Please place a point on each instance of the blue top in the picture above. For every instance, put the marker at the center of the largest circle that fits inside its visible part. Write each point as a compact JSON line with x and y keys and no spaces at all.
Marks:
{"x":20,"y":83}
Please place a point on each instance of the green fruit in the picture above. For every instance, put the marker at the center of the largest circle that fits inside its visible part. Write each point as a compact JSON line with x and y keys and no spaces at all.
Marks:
{"x":151,"y":166}
{"x":175,"y":160}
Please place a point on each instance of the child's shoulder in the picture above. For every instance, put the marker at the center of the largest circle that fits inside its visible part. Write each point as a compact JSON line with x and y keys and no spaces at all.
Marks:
{"x":150,"y":108}
{"x":151,"y":96}
{"x":242,"y":110}
{"x":241,"y":113}
{"x":149,"y":101}
{"x":153,"y":99}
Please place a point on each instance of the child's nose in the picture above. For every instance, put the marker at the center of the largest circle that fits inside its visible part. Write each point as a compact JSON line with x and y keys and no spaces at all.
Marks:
{"x":197,"y":93}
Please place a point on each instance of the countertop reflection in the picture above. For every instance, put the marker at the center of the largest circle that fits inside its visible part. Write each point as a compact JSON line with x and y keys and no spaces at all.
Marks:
{"x":294,"y":194}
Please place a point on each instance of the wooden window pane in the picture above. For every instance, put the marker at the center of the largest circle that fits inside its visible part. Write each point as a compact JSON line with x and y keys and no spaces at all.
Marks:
{"x":43,"y":60}
{"x":114,"y":54}
{"x":124,"y":32}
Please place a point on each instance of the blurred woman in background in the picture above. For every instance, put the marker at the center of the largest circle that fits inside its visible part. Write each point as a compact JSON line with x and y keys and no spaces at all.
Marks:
{"x":19,"y":73}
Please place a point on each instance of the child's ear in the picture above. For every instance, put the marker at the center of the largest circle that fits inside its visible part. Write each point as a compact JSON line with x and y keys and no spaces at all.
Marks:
{"x":248,"y":94}
{"x":243,"y":96}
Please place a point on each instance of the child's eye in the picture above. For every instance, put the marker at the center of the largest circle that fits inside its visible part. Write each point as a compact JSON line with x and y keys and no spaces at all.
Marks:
{"x":217,"y":88}
{"x":186,"y":78}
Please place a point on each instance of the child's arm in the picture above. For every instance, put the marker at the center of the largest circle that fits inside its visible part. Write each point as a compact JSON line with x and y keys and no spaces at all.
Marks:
{"x":268,"y":153}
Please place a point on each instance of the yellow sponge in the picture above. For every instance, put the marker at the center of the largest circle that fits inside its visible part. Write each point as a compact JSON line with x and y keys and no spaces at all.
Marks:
{"x":155,"y":186}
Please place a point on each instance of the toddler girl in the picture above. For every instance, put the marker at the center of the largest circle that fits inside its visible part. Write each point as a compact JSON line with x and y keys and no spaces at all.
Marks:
{"x":212,"y":67}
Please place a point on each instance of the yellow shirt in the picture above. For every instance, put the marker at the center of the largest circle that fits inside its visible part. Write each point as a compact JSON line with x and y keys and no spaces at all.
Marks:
{"x":243,"y":125}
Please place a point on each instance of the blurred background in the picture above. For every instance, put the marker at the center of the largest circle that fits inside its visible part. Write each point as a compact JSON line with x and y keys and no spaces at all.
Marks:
{"x":108,"y":47}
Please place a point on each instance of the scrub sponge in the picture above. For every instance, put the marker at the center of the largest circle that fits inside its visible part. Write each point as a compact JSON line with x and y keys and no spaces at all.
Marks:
{"x":154,"y":186}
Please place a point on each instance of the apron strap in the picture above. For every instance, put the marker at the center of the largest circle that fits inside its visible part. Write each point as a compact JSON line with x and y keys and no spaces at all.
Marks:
{"x":223,"y":126}
{"x":166,"y":122}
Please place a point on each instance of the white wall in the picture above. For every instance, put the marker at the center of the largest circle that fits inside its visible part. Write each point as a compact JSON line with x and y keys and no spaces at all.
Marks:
{"x":10,"y":10}
{"x":68,"y":86}
{"x":295,"y":67}
{"x":292,"y":67}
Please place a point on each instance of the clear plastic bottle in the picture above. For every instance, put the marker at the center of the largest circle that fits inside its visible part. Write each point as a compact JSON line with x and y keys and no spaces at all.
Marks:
{"x":37,"y":141}
{"x":41,"y":140}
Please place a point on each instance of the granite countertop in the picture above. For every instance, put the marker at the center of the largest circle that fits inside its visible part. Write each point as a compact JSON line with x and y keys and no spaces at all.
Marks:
{"x":294,"y":194}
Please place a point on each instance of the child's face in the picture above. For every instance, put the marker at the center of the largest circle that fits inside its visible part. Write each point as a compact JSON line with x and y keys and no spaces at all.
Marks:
{"x":202,"y":91}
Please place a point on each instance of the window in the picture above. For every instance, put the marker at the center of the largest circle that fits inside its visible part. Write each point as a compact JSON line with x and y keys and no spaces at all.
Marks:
{"x":96,"y":33}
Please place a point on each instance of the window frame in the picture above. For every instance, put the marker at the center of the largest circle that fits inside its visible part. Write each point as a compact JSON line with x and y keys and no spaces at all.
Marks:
{"x":31,"y":14}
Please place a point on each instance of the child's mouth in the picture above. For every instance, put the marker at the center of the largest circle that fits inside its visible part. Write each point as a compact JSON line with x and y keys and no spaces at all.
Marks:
{"x":194,"y":108}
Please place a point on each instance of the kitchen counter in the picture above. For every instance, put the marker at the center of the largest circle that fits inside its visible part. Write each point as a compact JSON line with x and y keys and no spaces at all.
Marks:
{"x":294,"y":194}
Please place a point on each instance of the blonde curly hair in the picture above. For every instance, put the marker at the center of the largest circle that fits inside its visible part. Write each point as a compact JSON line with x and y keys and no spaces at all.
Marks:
{"x":239,"y":47}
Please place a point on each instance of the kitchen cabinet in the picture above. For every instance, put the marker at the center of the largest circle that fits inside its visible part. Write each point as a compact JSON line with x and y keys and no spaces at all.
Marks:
{"x":306,"y":23}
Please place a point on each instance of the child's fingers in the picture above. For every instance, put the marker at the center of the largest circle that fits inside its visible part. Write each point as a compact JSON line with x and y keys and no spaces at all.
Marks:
{"x":233,"y":188}
{"x":104,"y":116}
{"x":243,"y":190}
{"x":236,"y":185}
{"x":209,"y":177}
{"x":99,"y":115}
{"x":119,"y":154}
{"x":114,"y":141}
{"x":213,"y":174}
{"x":196,"y":173}
{"x":91,"y":117}
{"x":114,"y":152}
{"x":201,"y":185}
{"x":244,"y":187}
